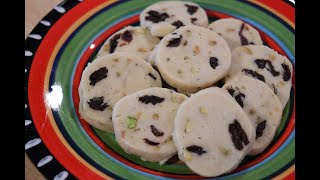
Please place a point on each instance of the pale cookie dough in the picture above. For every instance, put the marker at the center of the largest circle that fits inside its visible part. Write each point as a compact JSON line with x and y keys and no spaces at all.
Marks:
{"x":152,"y":55}
{"x":236,"y":32}
{"x":143,"y":123}
{"x":164,"y":17}
{"x":192,"y":58}
{"x":109,"y":78}
{"x":134,"y":40}
{"x":261,"y":105}
{"x":264,"y":64}
{"x":212,"y":133}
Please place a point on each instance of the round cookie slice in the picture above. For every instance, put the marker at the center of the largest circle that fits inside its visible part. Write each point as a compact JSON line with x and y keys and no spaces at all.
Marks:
{"x":164,"y":17}
{"x":192,"y":58}
{"x":265,"y":64}
{"x":143,"y":123}
{"x":212,"y":133}
{"x":109,"y":78}
{"x":261,"y":105}
{"x":136,"y":40}
{"x":236,"y":32}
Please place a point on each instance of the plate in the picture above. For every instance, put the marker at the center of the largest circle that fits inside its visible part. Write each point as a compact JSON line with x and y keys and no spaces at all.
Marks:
{"x":64,"y":146}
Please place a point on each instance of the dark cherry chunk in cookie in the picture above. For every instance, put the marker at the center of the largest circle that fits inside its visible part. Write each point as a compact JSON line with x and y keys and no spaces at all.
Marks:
{"x":151,"y":99}
{"x":193,"y":20}
{"x":260,"y":128}
{"x":150,"y":142}
{"x":175,"y":42}
{"x":98,"y":75}
{"x":156,"y":17}
{"x":178,"y":24}
{"x":196,"y":149}
{"x":155,"y":131}
{"x":127,"y":36}
{"x":238,"y":136}
{"x":114,"y":42}
{"x":152,"y":76}
{"x":286,"y":73}
{"x":244,"y":40}
{"x":262,"y":63}
{"x":237,"y":97}
{"x":254,"y":74}
{"x":96,"y":103}
{"x":191,"y":9}
{"x":214,"y":62}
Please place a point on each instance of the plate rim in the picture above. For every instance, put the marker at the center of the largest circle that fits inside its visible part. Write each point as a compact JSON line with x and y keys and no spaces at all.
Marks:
{"x":42,"y":23}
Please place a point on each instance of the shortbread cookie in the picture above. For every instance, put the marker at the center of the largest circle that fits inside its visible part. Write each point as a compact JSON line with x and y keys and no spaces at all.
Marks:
{"x":108,"y":79}
{"x":134,"y":40}
{"x":236,"y":32}
{"x":212,"y":133}
{"x":264,"y":64}
{"x":143,"y":123}
{"x":192,"y":58}
{"x":164,"y":17}
{"x":261,"y":105}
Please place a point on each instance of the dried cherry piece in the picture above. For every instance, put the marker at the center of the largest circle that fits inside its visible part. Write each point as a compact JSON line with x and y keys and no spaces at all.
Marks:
{"x":191,"y":9}
{"x":260,"y":128}
{"x":156,"y":17}
{"x":151,"y":99}
{"x":239,"y":98}
{"x":244,"y":40}
{"x":96,"y":103}
{"x":178,"y":24}
{"x":175,"y":42}
{"x":114,"y":42}
{"x":261,"y":63}
{"x":287,"y":73}
{"x":196,"y":149}
{"x":238,"y":136}
{"x":193,"y":20}
{"x":98,"y":75}
{"x":127,"y":36}
{"x":155,"y":131}
{"x":254,"y":74}
{"x":150,"y":142}
{"x":214,"y":62}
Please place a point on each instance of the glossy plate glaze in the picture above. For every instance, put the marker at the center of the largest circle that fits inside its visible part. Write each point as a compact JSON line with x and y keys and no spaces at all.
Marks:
{"x":63,"y":146}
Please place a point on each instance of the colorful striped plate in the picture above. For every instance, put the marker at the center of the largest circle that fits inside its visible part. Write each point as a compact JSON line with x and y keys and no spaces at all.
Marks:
{"x":63,"y":146}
